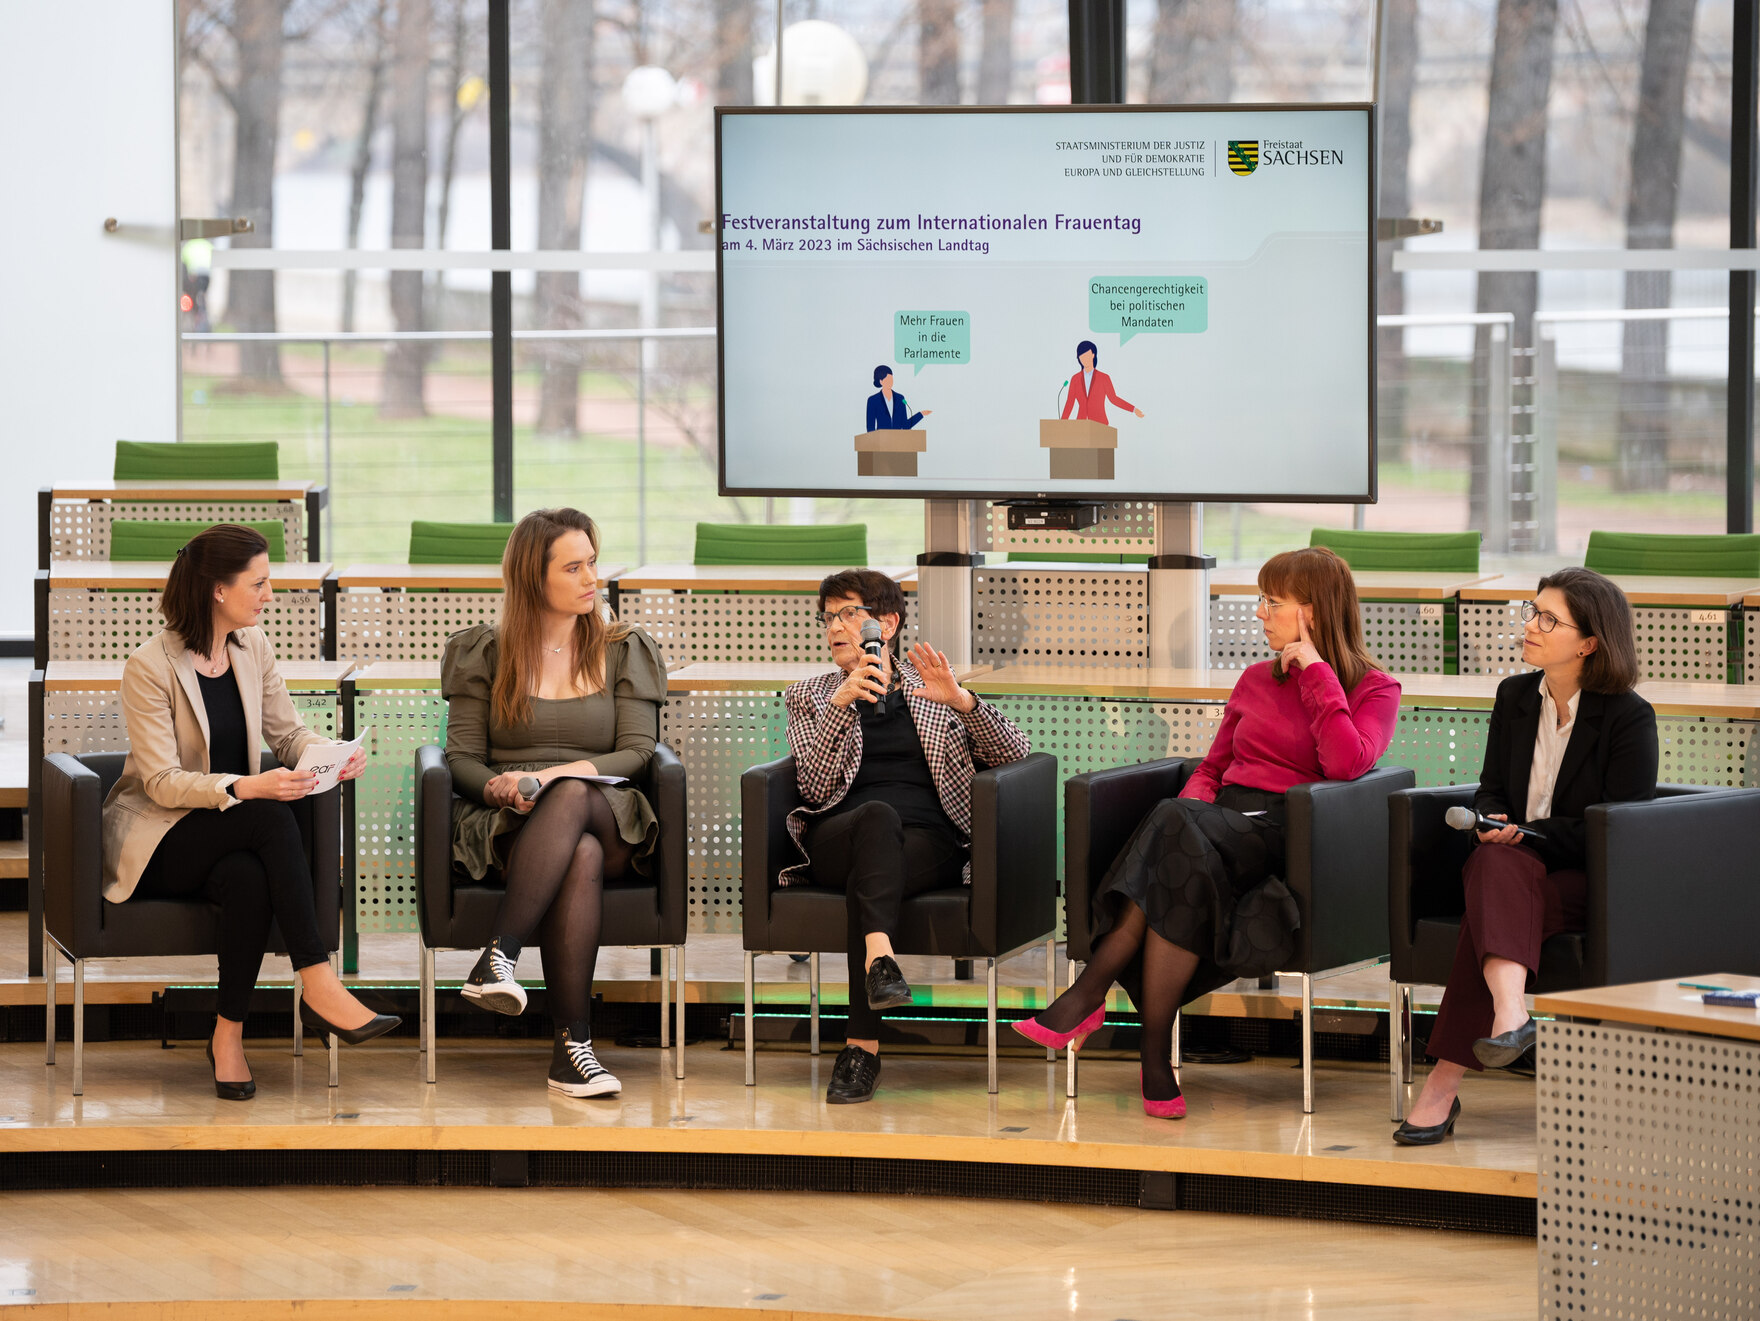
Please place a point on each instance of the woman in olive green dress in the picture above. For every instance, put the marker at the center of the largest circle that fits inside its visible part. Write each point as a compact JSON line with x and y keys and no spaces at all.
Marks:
{"x":557,"y":689}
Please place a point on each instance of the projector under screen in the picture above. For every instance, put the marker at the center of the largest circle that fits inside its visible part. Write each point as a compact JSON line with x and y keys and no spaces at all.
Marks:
{"x":1219,"y":262}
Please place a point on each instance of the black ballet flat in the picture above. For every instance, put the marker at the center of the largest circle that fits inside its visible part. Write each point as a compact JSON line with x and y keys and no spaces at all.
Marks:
{"x":1504,"y":1049}
{"x":376,"y":1026}
{"x":229,"y":1091}
{"x":1409,"y":1136}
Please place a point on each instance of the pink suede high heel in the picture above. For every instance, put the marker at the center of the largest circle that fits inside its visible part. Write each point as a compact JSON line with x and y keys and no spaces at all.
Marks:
{"x":1033,"y":1030}
{"x":1174,"y":1109}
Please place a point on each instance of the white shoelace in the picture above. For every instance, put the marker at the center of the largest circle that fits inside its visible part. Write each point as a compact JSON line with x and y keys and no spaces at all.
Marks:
{"x":580,"y":1054}
{"x":500,"y":966}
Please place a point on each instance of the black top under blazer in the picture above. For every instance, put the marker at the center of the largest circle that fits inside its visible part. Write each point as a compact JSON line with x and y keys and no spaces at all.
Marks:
{"x":1611,"y":758}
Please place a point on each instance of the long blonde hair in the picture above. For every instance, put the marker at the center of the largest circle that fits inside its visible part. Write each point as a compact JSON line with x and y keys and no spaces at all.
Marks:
{"x":1316,"y":576}
{"x":525,"y":565}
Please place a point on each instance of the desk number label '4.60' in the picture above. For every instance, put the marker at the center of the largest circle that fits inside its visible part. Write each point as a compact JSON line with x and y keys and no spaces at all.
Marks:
{"x":1430,"y":612}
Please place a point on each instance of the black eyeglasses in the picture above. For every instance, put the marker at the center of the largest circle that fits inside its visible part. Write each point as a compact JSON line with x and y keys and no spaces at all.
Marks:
{"x":849,"y":614}
{"x":1548,"y":620}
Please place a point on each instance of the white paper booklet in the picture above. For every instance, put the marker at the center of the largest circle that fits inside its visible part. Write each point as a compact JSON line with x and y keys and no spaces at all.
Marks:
{"x":590,"y":779}
{"x":326,"y":760}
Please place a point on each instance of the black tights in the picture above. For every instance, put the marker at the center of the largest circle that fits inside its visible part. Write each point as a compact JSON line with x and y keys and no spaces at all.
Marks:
{"x":1167,"y":970}
{"x":555,"y":874}
{"x":251,"y":861}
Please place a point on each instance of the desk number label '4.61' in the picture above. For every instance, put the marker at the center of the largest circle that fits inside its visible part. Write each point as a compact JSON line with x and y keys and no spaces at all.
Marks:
{"x":1709,"y":616}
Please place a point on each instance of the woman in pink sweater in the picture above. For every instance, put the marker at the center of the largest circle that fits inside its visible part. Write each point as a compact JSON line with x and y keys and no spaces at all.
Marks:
{"x":1195,"y":900}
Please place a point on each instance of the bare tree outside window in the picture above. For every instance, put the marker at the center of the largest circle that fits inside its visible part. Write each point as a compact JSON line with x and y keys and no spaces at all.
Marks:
{"x":405,"y":362}
{"x":375,"y":40}
{"x":1192,"y":62}
{"x":1400,"y":65}
{"x":937,"y":51}
{"x":996,"y":55}
{"x":565,"y":143}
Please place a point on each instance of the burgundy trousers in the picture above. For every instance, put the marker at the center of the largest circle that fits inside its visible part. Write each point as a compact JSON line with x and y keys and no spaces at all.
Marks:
{"x":1513,"y":905}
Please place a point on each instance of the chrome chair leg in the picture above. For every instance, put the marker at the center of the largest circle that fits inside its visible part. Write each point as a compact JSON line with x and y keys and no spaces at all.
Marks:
{"x":1405,"y":1058}
{"x":1307,"y":1044}
{"x":678,"y":1051}
{"x":990,"y":1017}
{"x":1050,"y":988}
{"x":79,"y":1027}
{"x":1395,"y":1050}
{"x":1069,"y":1086}
{"x":751,"y":1041}
{"x":430,"y":1002}
{"x":50,"y":971}
{"x":330,"y":1037}
{"x":813,"y":999}
{"x":1174,"y":1056}
{"x":299,"y":1031}
{"x":666,"y":1000}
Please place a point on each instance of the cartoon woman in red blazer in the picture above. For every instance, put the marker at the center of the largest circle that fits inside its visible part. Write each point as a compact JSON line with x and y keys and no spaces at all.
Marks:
{"x":1090,"y":388}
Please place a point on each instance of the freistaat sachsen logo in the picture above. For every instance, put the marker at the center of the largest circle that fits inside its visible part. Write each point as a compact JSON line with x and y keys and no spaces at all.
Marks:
{"x":1243,"y":157}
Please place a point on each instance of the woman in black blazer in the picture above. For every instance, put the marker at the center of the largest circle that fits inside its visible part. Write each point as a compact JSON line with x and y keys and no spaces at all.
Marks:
{"x":1563,"y":737}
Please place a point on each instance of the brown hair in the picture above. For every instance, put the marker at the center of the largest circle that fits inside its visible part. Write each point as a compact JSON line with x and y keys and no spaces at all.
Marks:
{"x":525,"y":564}
{"x":873,"y":589}
{"x":1600,"y":611}
{"x":208,"y":560}
{"x":1316,"y":576}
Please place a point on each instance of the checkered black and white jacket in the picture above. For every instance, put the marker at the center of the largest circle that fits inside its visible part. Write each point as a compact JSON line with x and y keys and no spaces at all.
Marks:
{"x":826,"y":741}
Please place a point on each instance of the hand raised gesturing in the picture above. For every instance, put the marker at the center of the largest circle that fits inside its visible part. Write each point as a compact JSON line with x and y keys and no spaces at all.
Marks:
{"x":939,"y":685}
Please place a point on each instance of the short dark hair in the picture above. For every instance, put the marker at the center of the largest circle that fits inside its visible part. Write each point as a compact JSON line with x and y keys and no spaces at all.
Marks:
{"x":873,"y":589}
{"x":880,"y":374}
{"x":1600,"y":611}
{"x":1088,"y":346}
{"x":208,"y":559}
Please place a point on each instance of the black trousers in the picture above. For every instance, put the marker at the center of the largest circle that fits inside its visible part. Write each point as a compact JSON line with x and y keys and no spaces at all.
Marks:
{"x":251,"y":861}
{"x":878,"y":862}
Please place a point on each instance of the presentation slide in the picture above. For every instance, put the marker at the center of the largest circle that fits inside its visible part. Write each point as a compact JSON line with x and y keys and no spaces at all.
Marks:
{"x":1125,"y":304}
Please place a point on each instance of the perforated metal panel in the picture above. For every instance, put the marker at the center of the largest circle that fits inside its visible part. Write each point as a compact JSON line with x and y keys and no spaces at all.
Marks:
{"x":391,"y":624}
{"x":718,"y":736}
{"x":1124,"y":528}
{"x":384,"y":804}
{"x":78,"y":722}
{"x":1441,"y":746}
{"x":80,"y":529}
{"x":1649,"y":1169}
{"x":1709,"y":750}
{"x":1674,"y":642}
{"x":1237,"y":639}
{"x":696,"y":627}
{"x":106,"y":625}
{"x":1750,"y":622}
{"x":1490,"y":640}
{"x":1026,"y":616}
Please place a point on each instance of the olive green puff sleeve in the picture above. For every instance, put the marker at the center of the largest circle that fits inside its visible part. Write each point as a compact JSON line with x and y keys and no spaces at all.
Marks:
{"x":467,"y":674}
{"x":638,"y":680}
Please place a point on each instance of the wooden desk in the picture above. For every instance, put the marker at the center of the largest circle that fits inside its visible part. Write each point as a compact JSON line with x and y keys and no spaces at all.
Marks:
{"x":1649,"y":1150}
{"x":102,"y":610}
{"x":735,"y":677}
{"x":74,"y":518}
{"x":739,"y":577}
{"x":436,"y":577}
{"x":106,"y":676}
{"x":1661,"y":1004}
{"x":1705,"y":593}
{"x":1372,"y":585}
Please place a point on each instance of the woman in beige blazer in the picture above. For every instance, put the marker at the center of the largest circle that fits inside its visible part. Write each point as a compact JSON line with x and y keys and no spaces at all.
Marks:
{"x":191,"y":818}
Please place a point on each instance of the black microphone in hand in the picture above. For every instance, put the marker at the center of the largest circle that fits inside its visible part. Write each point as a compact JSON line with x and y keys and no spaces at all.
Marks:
{"x":1465,"y":818}
{"x":872,"y":642}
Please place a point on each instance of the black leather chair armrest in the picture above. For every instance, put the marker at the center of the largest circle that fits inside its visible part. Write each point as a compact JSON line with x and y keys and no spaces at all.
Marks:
{"x":1014,"y":853}
{"x":1672,"y":887}
{"x":73,"y":851}
{"x":767,"y":794}
{"x":1101,"y":810}
{"x":1336,"y":857}
{"x":433,"y":841}
{"x":664,"y":785}
{"x":1424,"y":860}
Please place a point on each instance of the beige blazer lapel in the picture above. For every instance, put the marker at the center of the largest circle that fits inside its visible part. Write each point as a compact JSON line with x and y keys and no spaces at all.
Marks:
{"x":185,"y":669}
{"x":249,"y":676}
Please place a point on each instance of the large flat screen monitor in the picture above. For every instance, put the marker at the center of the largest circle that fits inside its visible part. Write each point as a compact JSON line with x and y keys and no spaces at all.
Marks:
{"x":1104,"y":302}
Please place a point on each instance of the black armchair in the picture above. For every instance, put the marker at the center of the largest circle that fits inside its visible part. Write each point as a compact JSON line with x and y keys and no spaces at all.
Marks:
{"x":1335,"y":860}
{"x":1671,"y":893}
{"x":81,"y":924}
{"x":1010,"y":904}
{"x":456,"y":912}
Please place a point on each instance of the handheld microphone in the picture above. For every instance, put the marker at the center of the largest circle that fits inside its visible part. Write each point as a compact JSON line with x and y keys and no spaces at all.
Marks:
{"x":528,"y":787}
{"x":872,"y":644}
{"x":1465,"y":818}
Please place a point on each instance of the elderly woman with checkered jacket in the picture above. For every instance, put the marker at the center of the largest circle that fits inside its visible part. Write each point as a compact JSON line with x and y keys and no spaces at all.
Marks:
{"x":885,"y":749}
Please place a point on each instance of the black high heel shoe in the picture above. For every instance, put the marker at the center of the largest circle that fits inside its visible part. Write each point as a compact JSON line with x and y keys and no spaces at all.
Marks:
{"x":229,"y":1091}
{"x":1409,"y":1135}
{"x":376,"y":1026}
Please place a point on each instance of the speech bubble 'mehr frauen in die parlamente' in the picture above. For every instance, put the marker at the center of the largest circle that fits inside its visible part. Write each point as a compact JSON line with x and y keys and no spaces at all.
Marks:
{"x":925,"y":339}
{"x":1128,"y":305}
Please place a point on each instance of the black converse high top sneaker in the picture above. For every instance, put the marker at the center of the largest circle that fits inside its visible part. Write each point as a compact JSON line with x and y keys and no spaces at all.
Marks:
{"x":491,"y":983}
{"x":575,"y":1070}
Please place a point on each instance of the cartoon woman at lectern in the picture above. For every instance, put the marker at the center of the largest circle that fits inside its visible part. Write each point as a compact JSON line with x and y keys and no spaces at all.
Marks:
{"x":1089,"y":389}
{"x":887,"y":410}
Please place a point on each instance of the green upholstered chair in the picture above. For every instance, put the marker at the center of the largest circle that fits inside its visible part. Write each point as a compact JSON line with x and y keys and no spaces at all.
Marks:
{"x":457,"y":543}
{"x":842,"y":544}
{"x":1674,"y":555}
{"x":140,"y":539}
{"x":1401,"y":552}
{"x":151,"y":461}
